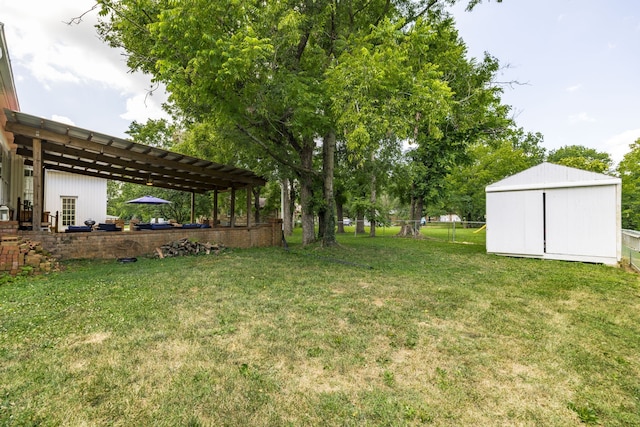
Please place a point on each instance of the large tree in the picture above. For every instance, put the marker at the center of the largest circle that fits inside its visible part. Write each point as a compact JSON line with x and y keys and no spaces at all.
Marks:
{"x":262,"y":73}
{"x":476,"y":113}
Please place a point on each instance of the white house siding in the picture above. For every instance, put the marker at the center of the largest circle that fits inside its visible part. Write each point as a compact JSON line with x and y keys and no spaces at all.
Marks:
{"x":90,"y":194}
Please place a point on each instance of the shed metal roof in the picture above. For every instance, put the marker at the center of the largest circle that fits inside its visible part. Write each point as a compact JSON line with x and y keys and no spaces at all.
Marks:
{"x":76,"y":150}
{"x":548,"y":175}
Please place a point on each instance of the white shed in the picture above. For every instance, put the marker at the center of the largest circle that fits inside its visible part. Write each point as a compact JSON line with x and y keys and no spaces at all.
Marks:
{"x":555,"y":212}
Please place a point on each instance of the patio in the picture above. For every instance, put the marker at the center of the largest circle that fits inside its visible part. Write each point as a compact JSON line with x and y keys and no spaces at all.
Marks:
{"x":46,"y":144}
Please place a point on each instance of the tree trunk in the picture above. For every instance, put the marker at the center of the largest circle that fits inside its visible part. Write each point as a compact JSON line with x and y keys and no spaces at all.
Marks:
{"x":340,"y":216}
{"x":306,"y":194}
{"x":292,"y":203}
{"x":321,"y":224}
{"x":373,"y":214}
{"x":359,"y":222}
{"x":412,"y":212}
{"x":287,"y":216}
{"x":328,"y":158}
{"x":419,"y":209}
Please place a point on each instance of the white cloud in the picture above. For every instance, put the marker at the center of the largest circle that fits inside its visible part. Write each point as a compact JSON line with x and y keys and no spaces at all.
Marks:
{"x":143,"y":106}
{"x":581,"y":117}
{"x":55,"y":52}
{"x":574,"y":88}
{"x":62,"y":119}
{"x":618,"y":145}
{"x":72,"y":58}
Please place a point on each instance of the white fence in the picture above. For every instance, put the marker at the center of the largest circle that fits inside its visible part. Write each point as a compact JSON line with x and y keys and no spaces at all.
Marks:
{"x":631,"y":248}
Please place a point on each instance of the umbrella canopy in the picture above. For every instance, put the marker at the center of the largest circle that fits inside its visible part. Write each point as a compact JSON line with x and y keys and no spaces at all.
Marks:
{"x":148,"y":200}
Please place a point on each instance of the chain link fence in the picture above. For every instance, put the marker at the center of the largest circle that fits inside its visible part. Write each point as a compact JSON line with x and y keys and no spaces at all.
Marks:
{"x":450,"y":231}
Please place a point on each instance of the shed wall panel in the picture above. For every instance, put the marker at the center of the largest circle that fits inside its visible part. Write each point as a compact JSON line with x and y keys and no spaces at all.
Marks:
{"x":582,"y":221}
{"x":515,"y":223}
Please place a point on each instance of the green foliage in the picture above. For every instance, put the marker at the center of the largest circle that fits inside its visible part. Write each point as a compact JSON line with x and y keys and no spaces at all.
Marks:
{"x":266,"y":81}
{"x":155,"y":133}
{"x":580,"y":157}
{"x":586,"y":413}
{"x":490,"y":162}
{"x":386,"y":85}
{"x":629,"y":172}
{"x":476,"y":114}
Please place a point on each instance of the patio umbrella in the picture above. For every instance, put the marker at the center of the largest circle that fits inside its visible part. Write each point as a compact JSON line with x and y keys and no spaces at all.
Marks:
{"x":148,"y":200}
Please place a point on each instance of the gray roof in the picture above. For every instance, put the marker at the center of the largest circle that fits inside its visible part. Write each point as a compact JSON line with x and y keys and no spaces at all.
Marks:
{"x":550,"y":175}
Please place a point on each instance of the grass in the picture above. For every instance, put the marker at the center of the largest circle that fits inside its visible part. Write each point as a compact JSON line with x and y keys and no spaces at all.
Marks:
{"x":443,"y":231}
{"x":373,"y":332}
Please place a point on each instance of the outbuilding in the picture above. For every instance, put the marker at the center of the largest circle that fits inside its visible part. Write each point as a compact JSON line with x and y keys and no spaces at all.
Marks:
{"x":555,"y":212}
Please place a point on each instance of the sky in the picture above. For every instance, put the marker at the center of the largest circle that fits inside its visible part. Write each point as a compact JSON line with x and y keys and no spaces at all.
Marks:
{"x":574,"y":64}
{"x":571,"y":68}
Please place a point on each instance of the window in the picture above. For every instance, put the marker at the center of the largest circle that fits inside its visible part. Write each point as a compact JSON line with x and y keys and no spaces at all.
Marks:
{"x":68,"y":211}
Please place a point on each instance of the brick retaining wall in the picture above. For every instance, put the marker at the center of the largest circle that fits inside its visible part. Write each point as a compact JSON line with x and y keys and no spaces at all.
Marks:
{"x":119,"y":244}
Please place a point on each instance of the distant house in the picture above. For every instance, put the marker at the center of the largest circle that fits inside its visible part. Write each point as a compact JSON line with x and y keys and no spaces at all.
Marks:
{"x":75,"y":197}
{"x":449,"y":218}
{"x":556,"y":212}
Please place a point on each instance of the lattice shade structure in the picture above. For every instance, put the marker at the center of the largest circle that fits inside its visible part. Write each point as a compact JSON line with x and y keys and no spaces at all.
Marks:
{"x":71,"y":149}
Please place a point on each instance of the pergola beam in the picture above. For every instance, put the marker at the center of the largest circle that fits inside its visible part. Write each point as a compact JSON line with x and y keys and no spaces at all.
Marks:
{"x":169,"y":166}
{"x":121,"y":173}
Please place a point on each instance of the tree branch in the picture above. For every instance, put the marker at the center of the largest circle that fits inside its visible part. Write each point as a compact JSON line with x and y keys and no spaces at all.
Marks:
{"x":78,"y":19}
{"x":277,"y":157}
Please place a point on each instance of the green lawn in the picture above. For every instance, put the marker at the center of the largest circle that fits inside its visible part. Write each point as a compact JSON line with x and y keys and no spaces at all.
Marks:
{"x":448,"y":232}
{"x":383,"y":331}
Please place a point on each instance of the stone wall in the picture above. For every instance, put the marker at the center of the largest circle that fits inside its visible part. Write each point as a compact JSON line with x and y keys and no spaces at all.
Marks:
{"x":121,"y":244}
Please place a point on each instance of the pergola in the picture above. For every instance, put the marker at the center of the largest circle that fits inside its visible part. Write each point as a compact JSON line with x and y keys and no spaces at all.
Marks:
{"x":47,"y":144}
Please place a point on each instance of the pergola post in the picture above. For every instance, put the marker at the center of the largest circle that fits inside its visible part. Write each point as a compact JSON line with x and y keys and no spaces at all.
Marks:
{"x":215,"y":207}
{"x":232,"y":219}
{"x":36,"y":217}
{"x":249,"y":193}
{"x":193,"y":206}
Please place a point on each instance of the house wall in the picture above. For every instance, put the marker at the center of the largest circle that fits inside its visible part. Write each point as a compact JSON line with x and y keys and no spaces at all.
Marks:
{"x":12,"y":165}
{"x":11,"y":174}
{"x":90,"y":194}
{"x":112,"y":245}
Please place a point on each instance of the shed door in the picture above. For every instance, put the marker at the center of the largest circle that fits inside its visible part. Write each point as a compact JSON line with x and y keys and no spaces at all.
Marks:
{"x":581,"y":221}
{"x":515,"y":222}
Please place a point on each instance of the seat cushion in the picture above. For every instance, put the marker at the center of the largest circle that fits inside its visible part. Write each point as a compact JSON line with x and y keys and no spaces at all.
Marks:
{"x":77,"y":229}
{"x":107,"y":227}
